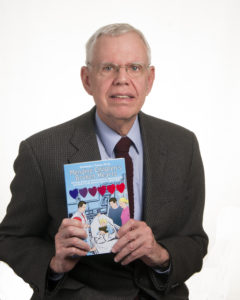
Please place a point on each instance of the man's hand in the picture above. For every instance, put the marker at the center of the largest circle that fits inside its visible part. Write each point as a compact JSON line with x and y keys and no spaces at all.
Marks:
{"x":69,"y":246}
{"x":136,"y":240}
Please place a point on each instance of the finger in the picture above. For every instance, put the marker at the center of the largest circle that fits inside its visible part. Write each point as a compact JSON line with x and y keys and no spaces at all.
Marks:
{"x":70,"y":222}
{"x":72,"y":231}
{"x":73,"y":252}
{"x":132,"y":256}
{"x":130,"y":250}
{"x":135,"y":229}
{"x":65,"y":248}
{"x":124,"y":241}
{"x":129,"y":226}
{"x":77,"y":243}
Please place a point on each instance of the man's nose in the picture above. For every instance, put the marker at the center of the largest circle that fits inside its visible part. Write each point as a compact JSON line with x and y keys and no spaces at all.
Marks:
{"x":121,"y":76}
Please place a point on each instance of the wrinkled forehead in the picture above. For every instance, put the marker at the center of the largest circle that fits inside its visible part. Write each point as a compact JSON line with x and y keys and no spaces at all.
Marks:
{"x":127,"y":47}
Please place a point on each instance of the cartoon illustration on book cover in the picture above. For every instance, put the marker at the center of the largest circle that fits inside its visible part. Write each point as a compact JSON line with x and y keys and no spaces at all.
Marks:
{"x":97,"y":197}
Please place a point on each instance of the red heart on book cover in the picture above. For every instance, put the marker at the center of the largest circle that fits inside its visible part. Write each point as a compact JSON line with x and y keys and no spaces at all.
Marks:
{"x":111,"y":188}
{"x":102,"y":190}
{"x":121,"y":187}
{"x":92,"y":191}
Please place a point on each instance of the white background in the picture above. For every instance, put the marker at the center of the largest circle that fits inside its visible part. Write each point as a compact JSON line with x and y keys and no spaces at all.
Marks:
{"x":195,"y":49}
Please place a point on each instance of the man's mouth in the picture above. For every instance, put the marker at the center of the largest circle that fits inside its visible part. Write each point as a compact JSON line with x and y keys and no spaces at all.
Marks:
{"x":122,"y":96}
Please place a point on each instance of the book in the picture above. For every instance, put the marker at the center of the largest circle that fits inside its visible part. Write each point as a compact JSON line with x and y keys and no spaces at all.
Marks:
{"x":97,"y":196}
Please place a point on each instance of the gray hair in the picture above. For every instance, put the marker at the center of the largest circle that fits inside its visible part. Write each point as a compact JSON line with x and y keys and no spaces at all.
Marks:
{"x":114,"y":30}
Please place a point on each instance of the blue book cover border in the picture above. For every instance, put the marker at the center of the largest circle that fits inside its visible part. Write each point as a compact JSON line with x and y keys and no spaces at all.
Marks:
{"x":93,"y":184}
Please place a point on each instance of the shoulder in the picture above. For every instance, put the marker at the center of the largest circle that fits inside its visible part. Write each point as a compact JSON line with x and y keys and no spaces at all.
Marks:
{"x":83,"y":121}
{"x":61,"y":133}
{"x":57,"y":144}
{"x":163,"y":131}
{"x":151,"y":122}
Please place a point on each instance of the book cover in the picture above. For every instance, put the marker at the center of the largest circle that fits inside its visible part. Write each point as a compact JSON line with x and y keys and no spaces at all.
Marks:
{"x":97,"y":196}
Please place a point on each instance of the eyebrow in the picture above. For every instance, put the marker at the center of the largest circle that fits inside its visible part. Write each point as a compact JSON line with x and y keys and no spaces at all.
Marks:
{"x":132,"y":62}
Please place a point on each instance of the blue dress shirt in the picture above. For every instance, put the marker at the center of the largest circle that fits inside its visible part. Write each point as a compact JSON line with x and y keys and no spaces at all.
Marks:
{"x":107,"y":140}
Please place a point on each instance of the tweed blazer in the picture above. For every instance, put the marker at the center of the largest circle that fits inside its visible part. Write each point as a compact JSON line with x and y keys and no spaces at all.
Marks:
{"x":173,"y":202}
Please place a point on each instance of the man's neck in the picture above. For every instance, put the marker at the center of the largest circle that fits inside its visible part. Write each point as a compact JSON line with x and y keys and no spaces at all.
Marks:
{"x":121,"y":126}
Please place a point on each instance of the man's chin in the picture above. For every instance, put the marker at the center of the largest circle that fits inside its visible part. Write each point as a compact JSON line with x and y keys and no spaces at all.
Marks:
{"x":118,"y":114}
{"x":123,"y":117}
{"x":123,"y":113}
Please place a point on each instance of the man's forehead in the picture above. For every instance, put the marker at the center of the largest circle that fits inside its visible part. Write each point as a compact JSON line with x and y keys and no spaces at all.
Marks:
{"x":128,"y":44}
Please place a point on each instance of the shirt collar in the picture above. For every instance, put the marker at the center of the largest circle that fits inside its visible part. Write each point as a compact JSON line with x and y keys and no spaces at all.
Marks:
{"x":110,"y":138}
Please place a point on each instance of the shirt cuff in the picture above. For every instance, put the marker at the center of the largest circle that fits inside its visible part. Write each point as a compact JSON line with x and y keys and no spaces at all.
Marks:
{"x":54,"y":276}
{"x":162,"y":270}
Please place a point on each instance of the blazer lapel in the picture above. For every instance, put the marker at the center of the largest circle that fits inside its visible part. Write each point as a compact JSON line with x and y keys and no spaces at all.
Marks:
{"x":155,"y":154}
{"x":84,"y":139}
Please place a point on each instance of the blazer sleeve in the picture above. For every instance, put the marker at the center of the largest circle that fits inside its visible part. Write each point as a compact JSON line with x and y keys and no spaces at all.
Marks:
{"x":187,"y":243}
{"x":24,"y":244}
{"x":188,"y":247}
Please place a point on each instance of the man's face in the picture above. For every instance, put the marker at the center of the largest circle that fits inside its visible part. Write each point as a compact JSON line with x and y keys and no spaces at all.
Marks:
{"x":120,"y":96}
{"x":113,"y":204}
{"x":82,"y":208}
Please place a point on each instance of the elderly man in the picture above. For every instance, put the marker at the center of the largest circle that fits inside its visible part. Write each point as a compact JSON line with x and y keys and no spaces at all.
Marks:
{"x":163,"y":243}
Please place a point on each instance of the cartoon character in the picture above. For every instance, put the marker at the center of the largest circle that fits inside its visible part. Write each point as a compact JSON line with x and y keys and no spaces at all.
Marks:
{"x":115,"y":211}
{"x":80,"y":214}
{"x":103,"y":233}
{"x":106,"y":229}
{"x":125,"y":215}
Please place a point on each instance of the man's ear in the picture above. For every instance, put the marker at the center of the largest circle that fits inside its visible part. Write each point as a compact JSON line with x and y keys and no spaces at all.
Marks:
{"x":85,"y":79}
{"x":151,"y":77}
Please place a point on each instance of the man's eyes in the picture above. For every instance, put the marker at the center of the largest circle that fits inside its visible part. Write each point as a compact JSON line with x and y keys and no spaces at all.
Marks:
{"x":132,"y":68}
{"x":108,"y":68}
{"x":135,"y":68}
